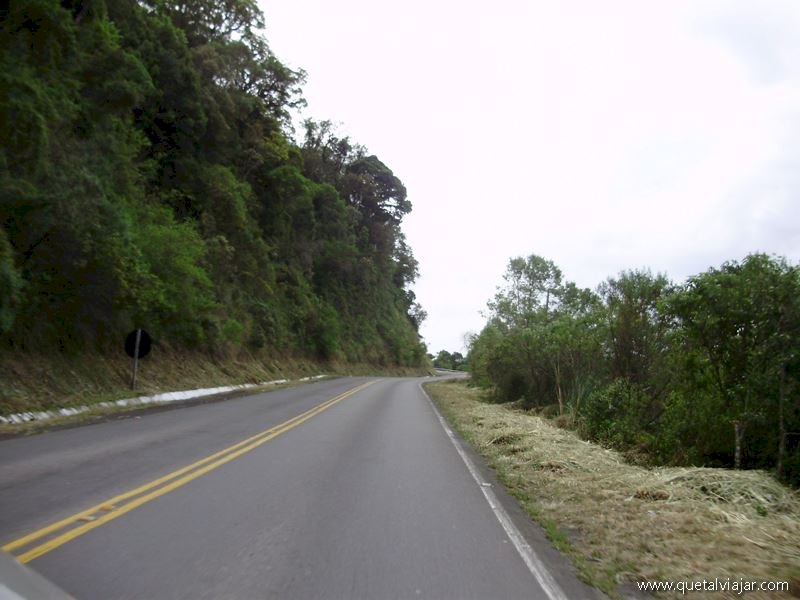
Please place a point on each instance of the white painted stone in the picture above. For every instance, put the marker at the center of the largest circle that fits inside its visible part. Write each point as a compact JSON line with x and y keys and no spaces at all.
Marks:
{"x":164,"y":397}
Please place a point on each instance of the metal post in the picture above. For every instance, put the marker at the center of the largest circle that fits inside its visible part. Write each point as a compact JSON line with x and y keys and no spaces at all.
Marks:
{"x":136,"y":358}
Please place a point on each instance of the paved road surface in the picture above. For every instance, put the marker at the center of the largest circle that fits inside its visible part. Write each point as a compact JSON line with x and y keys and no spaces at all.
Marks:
{"x":364,"y":496}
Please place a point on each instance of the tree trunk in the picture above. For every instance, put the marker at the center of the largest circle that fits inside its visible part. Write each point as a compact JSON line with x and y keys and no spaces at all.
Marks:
{"x":738,"y":431}
{"x":83,"y":12}
{"x":559,"y":393}
{"x":781,"y":423}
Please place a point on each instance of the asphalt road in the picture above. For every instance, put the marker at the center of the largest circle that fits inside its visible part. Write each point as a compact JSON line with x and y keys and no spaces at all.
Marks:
{"x":335,"y":494}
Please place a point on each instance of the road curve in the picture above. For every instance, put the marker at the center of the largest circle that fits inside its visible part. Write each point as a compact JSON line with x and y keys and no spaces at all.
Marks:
{"x":348,"y":488}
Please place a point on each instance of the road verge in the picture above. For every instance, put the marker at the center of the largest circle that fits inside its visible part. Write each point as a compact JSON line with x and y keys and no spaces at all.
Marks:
{"x":624,"y":524}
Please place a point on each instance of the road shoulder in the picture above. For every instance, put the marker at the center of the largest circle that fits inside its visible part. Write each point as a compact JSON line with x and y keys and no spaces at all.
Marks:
{"x":568,"y":582}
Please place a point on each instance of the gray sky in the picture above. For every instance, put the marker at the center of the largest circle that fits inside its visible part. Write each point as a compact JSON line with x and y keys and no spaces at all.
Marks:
{"x":603,"y":136}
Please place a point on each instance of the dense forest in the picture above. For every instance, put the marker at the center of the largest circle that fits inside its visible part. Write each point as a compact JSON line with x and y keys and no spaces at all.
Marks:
{"x":705,"y":372}
{"x":150,"y":176}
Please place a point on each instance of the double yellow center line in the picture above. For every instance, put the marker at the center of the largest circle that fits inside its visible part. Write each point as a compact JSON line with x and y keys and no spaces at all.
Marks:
{"x":59,"y":533}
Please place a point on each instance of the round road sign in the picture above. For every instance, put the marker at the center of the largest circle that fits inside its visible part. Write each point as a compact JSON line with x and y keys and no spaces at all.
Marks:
{"x":144,"y":343}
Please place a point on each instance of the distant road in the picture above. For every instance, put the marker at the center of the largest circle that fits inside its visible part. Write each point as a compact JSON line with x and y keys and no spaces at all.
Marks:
{"x":349,"y":488}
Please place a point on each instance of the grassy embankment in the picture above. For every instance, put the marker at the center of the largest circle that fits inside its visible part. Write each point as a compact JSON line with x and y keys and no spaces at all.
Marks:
{"x":43,"y":382}
{"x":624,"y":523}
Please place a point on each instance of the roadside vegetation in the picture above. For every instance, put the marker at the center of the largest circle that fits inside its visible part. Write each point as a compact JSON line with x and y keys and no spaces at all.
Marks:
{"x":31,"y":383}
{"x":454,"y":361}
{"x":622,"y":522}
{"x":150,"y":177}
{"x":702,"y":373}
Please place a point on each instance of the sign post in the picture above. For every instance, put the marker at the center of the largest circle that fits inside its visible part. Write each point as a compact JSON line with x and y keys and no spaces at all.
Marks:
{"x":136,"y":358}
{"x":137,"y":345}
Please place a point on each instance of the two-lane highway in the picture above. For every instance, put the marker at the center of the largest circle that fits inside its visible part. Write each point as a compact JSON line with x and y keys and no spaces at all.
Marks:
{"x":348,"y":488}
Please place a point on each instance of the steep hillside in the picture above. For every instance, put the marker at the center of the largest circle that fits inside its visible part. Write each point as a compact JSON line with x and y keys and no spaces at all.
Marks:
{"x":149,"y":178}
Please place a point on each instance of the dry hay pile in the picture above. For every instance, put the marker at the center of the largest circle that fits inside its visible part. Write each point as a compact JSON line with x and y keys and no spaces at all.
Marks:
{"x":663,"y":523}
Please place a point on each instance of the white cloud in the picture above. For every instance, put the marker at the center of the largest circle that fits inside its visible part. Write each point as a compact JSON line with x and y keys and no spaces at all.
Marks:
{"x":602,"y":136}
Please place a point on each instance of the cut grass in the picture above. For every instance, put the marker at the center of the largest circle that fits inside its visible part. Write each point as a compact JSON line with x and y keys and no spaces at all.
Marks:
{"x":624,"y":523}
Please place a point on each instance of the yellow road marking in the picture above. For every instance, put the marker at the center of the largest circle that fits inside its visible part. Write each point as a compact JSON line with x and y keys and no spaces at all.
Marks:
{"x":24,"y":541}
{"x":112,"y":509}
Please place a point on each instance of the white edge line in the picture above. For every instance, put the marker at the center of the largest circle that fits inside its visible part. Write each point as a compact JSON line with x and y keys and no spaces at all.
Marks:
{"x":529,"y":556}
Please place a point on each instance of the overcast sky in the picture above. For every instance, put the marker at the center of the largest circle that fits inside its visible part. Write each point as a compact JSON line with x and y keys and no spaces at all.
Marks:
{"x":603,"y":136}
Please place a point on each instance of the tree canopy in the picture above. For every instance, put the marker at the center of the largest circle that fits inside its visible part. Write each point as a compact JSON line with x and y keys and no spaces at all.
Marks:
{"x":148,"y":177}
{"x":705,"y":372}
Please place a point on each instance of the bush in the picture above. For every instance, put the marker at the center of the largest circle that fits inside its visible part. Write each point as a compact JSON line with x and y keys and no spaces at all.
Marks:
{"x":618,"y":415}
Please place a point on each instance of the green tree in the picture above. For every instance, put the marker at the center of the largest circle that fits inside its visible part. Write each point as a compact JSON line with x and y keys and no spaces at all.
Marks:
{"x":148,"y":175}
{"x":541,"y":343}
{"x":637,"y":330}
{"x":742,"y":317}
{"x":532,"y":286}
